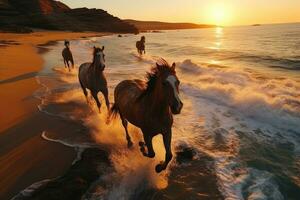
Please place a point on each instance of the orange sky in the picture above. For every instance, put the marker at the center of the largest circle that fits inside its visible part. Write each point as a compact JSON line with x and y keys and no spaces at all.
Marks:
{"x":227,"y":13}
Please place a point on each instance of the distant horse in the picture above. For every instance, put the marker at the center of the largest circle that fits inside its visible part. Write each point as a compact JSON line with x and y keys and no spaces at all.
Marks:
{"x":91,"y":77}
{"x":67,"y":55}
{"x":140,"y":45}
{"x":150,"y":106}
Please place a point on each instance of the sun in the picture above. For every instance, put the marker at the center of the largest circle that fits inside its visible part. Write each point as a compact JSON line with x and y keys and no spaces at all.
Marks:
{"x":219,"y":14}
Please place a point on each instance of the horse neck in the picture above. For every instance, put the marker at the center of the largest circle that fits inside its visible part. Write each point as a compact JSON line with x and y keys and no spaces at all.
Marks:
{"x":95,"y":67}
{"x":157,"y":100}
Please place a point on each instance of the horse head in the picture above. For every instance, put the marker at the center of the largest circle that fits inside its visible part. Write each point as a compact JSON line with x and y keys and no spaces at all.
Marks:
{"x":67,"y":43}
{"x":99,"y":57}
{"x":170,"y":87}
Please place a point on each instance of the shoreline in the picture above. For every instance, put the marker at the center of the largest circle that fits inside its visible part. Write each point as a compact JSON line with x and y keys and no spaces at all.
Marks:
{"x":54,"y":166}
{"x":25,"y":157}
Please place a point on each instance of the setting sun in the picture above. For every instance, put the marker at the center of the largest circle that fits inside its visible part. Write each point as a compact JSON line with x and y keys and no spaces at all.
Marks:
{"x":219,"y":14}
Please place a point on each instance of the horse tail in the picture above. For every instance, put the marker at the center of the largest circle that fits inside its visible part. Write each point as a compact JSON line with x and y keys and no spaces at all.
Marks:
{"x":113,"y":112}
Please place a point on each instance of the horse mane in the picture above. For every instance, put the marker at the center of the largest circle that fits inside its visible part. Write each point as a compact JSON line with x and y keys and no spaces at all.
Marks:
{"x":96,"y":49}
{"x":161,"y":66}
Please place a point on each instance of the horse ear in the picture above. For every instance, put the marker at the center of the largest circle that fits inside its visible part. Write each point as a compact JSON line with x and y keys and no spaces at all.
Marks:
{"x":173,"y":66}
{"x":102,"y":48}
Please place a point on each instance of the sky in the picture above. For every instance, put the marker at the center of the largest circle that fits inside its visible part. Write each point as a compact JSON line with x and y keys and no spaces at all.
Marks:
{"x":225,"y":13}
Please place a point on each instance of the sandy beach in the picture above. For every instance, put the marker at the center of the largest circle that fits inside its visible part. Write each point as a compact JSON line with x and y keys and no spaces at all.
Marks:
{"x":24,"y":156}
{"x":236,"y":137}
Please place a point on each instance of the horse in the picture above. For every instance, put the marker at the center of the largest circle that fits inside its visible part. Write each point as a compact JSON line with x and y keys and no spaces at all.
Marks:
{"x":150,"y":106}
{"x":67,"y":55}
{"x":91,"y":77}
{"x":140,"y":45}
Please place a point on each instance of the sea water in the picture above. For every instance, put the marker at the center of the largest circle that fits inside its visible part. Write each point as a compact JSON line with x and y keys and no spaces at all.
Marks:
{"x":241,"y":92}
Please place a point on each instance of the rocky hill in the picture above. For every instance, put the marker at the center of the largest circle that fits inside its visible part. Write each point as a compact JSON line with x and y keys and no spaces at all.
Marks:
{"x":22,"y":15}
{"x":155,"y":25}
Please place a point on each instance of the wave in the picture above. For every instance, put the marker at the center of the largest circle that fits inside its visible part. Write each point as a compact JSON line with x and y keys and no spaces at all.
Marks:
{"x":270,"y":101}
{"x":218,"y":102}
{"x":268,"y":61}
{"x":229,"y":101}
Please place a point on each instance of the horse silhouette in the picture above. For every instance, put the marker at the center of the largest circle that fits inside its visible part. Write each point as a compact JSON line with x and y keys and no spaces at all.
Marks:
{"x":140,"y":45}
{"x":67,"y":55}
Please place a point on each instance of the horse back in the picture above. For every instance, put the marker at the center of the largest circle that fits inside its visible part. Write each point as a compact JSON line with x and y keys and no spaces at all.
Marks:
{"x":126,"y":99}
{"x":129,"y":90}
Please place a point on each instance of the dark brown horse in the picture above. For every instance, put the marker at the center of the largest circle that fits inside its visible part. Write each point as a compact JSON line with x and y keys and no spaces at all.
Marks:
{"x":150,"y":106}
{"x":67,"y":56}
{"x":91,"y":77}
{"x":140,"y":45}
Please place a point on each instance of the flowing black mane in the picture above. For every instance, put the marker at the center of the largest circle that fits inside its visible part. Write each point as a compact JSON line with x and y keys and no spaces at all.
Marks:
{"x":162,"y":66}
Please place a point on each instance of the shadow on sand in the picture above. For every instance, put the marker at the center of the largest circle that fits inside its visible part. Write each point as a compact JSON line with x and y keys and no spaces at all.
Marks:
{"x":19,"y":78}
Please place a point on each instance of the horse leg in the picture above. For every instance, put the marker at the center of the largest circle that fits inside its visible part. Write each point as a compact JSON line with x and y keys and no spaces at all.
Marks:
{"x":85,"y":92}
{"x":168,"y":157}
{"x":128,"y":138}
{"x":72,"y":62}
{"x":148,"y":141}
{"x":68,"y":66}
{"x":94,"y":94}
{"x":65,"y":63}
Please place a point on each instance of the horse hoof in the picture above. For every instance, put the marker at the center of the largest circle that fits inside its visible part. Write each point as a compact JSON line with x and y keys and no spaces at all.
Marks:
{"x":159,"y":168}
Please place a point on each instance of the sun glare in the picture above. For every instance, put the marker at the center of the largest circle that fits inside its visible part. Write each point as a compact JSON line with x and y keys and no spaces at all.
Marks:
{"x":219,"y":14}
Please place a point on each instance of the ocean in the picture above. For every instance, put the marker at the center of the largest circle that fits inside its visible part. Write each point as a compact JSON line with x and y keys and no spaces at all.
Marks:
{"x":241,"y":92}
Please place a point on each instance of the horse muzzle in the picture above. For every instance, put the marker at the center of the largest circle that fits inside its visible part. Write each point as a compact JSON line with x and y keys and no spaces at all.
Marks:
{"x":176,"y":108}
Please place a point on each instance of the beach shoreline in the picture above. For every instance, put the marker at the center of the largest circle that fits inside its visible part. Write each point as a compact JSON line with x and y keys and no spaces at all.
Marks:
{"x":25,"y":157}
{"x":43,"y":167}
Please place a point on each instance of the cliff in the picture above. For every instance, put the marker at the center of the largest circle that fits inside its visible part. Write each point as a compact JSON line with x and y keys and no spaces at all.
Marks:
{"x":21,"y":16}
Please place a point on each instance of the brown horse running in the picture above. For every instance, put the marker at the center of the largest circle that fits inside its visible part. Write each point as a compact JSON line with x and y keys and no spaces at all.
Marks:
{"x":67,"y":56}
{"x":91,"y":77}
{"x":150,"y":106}
{"x":140,"y":45}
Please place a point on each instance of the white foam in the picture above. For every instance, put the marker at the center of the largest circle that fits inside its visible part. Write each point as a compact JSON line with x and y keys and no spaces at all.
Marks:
{"x":31,"y":189}
{"x":268,"y":101}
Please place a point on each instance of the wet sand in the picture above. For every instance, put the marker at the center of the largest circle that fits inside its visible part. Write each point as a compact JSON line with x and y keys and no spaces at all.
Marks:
{"x":25,"y":157}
